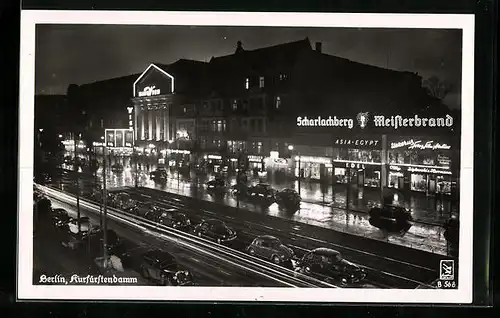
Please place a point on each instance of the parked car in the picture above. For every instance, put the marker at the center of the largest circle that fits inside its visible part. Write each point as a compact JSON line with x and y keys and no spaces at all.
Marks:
{"x":329,"y":265}
{"x":123,"y":201}
{"x":262,"y":191}
{"x":391,"y":212}
{"x":157,"y":175}
{"x":215,"y":230}
{"x":239,"y":189}
{"x":271,"y":248}
{"x":142,"y":209}
{"x":216,"y":184}
{"x":60,"y":218}
{"x":158,"y":266}
{"x":288,"y":198}
{"x":117,"y":167}
{"x":174,"y":218}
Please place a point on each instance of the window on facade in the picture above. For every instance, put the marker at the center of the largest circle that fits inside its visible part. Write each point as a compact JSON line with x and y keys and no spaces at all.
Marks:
{"x":234,"y":124}
{"x":185,"y":110}
{"x":247,"y":83}
{"x":219,"y":125}
{"x":261,"y":82}
{"x":259,"y":147}
{"x":203,"y":142}
{"x":102,"y":123}
{"x":220,"y":106}
{"x":204,"y":125}
{"x":259,"y":125}
{"x":278,"y":102}
{"x":363,"y":155}
{"x":235,"y":104}
{"x":244,"y":123}
{"x":252,"y":124}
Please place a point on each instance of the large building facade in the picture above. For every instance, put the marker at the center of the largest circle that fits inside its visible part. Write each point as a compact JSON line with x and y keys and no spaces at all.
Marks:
{"x":241,"y":111}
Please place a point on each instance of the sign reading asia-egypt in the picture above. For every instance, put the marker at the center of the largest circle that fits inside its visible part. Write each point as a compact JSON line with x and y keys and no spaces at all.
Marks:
{"x":357,"y":142}
{"x":149,"y":91}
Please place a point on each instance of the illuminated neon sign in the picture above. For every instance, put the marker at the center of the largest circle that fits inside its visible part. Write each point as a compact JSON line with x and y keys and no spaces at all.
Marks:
{"x":357,"y":142}
{"x":149,"y":91}
{"x":159,"y":70}
{"x":427,"y":170}
{"x":418,"y":144}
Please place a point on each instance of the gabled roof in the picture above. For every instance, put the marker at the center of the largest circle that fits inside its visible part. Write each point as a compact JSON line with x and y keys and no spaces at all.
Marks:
{"x":285,"y":53}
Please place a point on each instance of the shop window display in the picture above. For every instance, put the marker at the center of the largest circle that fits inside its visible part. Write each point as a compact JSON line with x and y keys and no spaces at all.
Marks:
{"x":443,"y":185}
{"x":372,"y":178}
{"x":340,"y":175}
{"x":394,"y":179}
{"x":419,"y":182}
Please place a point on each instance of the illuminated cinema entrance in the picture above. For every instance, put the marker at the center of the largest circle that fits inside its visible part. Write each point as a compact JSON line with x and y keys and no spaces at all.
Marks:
{"x":120,"y":141}
{"x":152,"y":106}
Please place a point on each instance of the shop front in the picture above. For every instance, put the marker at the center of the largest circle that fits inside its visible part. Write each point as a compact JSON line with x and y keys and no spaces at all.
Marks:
{"x":213,"y":163}
{"x":178,"y":158}
{"x":421,"y":164}
{"x":358,"y":160}
{"x":256,"y":163}
{"x":313,"y":168}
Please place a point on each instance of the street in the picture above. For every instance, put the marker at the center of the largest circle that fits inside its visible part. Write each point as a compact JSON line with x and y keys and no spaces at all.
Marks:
{"x":421,"y":236}
{"x":426,"y":209}
{"x":54,"y":259}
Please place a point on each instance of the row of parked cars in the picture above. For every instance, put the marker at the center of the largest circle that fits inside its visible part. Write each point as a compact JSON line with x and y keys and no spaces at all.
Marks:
{"x":322,"y":263}
{"x":153,"y":264}
{"x":260,"y":192}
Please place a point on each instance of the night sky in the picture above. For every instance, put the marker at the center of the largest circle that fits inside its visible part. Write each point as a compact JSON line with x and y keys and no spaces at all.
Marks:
{"x":82,"y":54}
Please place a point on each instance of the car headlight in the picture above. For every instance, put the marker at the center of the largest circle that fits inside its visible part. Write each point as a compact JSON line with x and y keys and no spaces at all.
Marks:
{"x":188,"y":222}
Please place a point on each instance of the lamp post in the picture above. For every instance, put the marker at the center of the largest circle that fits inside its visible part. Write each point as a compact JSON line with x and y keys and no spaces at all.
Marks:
{"x":104,"y":218}
{"x":75,"y":168}
{"x":290,"y":148}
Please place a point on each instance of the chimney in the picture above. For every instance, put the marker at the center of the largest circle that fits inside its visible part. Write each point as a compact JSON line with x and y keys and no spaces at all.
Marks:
{"x":318,"y":47}
{"x":239,"y":47}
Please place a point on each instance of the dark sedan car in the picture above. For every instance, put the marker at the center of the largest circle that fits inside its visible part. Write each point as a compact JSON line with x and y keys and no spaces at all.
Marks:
{"x":271,"y":248}
{"x":173,"y":218}
{"x":158,"y":175}
{"x":158,"y":266}
{"x":328,"y":265}
{"x":288,"y":198}
{"x":60,"y":218}
{"x":215,"y":230}
{"x":117,"y":167}
{"x":391,"y":218}
{"x":216,"y":185}
{"x":262,"y":191}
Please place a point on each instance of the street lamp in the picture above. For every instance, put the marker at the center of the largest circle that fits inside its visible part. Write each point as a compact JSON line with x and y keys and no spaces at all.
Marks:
{"x":290,"y":148}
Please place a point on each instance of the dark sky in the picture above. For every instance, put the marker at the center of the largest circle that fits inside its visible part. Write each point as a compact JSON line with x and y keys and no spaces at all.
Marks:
{"x":82,"y":54}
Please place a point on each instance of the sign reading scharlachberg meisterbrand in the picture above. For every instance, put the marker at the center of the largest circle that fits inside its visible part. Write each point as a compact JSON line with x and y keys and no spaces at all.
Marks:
{"x":363,"y":119}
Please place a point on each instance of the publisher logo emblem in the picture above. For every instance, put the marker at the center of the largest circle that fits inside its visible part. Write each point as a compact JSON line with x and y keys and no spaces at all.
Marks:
{"x":447,"y":270}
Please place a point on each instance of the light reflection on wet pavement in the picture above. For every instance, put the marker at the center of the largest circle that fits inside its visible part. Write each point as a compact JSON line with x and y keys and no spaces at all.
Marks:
{"x":419,"y":236}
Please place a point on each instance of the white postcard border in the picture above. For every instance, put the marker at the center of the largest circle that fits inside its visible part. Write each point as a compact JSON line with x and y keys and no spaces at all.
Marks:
{"x":28,"y":291}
